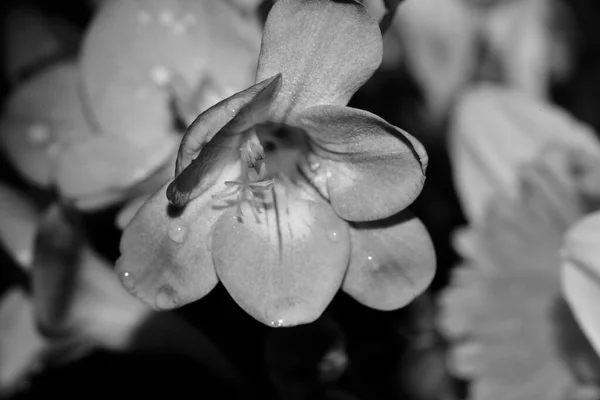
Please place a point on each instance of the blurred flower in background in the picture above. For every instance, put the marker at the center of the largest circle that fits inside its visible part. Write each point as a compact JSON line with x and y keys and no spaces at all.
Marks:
{"x":510,"y":330}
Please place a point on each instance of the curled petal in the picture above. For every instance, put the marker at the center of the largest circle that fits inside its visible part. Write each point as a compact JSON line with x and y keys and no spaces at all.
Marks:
{"x":374,"y":170}
{"x":581,"y":275}
{"x":20,"y":220}
{"x":392,"y":262}
{"x":106,"y":166}
{"x":325,"y":51}
{"x":284,"y":265}
{"x":165,"y":259}
{"x":136,"y":53}
{"x":41,"y":116}
{"x":215,"y":139}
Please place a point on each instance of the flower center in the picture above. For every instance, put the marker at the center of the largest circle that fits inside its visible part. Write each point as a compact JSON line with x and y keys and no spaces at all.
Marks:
{"x":269,"y":152}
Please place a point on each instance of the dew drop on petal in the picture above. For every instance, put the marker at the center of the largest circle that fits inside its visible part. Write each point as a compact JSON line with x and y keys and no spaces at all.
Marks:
{"x":128,"y":281}
{"x":54,"y":150}
{"x":38,"y":134}
{"x":179,"y":28}
{"x":233,"y":107}
{"x":277,"y":324}
{"x":166,"y":17}
{"x":177,"y":232}
{"x":160,"y":75}
{"x":189,"y":19}
{"x":144,"y":17}
{"x":333,"y":235}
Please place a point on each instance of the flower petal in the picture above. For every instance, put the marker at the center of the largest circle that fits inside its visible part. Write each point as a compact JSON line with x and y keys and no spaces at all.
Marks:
{"x":165,"y":259}
{"x":581,"y":275}
{"x":326,"y":50}
{"x":105,"y":164}
{"x":20,"y":220}
{"x":20,"y":343}
{"x":284,"y":266}
{"x":135,"y":51}
{"x":392,"y":262}
{"x":214,"y":139}
{"x":41,"y":116}
{"x":374,"y":170}
{"x":496,"y":129}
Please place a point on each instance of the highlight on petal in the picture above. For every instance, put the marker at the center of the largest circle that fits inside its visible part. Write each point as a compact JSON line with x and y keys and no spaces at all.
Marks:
{"x":20,"y":220}
{"x":284,"y":265}
{"x":41,"y":116}
{"x":20,"y":342}
{"x":494,"y":130}
{"x":325,"y":50}
{"x":392,"y":262}
{"x":136,"y":53}
{"x":165,"y":259}
{"x":215,"y":137}
{"x":581,"y":275}
{"x":106,"y":166}
{"x":439,"y":47}
{"x":374,"y":170}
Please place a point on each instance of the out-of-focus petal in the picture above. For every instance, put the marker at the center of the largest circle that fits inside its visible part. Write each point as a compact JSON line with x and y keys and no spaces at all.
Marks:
{"x":438,"y":41}
{"x":137,"y":52}
{"x":165,"y":259}
{"x":78,"y":299}
{"x":325,"y":51}
{"x":104,"y":165}
{"x":31,"y":40}
{"x":374,"y":170}
{"x":20,"y":343}
{"x":497,"y":129}
{"x":284,"y":265}
{"x":20,"y":220}
{"x":528,"y":40}
{"x":41,"y":116}
{"x":392,"y":262}
{"x":215,"y":138}
{"x":581,"y":275}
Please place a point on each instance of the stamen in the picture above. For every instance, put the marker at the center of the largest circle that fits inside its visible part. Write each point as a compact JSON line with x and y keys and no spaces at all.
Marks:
{"x":247,"y":187}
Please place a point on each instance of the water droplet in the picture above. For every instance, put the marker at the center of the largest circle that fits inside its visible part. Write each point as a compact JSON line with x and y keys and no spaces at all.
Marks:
{"x":54,"y":150}
{"x":179,"y":28}
{"x":128,"y":281}
{"x":166,"y":299}
{"x":232,"y":107}
{"x":277,"y":324}
{"x":189,"y":19}
{"x":333,"y":235}
{"x":144,"y":17}
{"x":38,"y":134}
{"x":177,"y":233}
{"x":160,"y":75}
{"x":166,"y":17}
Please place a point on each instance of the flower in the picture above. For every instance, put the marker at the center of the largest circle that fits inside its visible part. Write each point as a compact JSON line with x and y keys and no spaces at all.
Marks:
{"x":510,"y":331}
{"x":313,"y":180}
{"x":72,"y":124}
